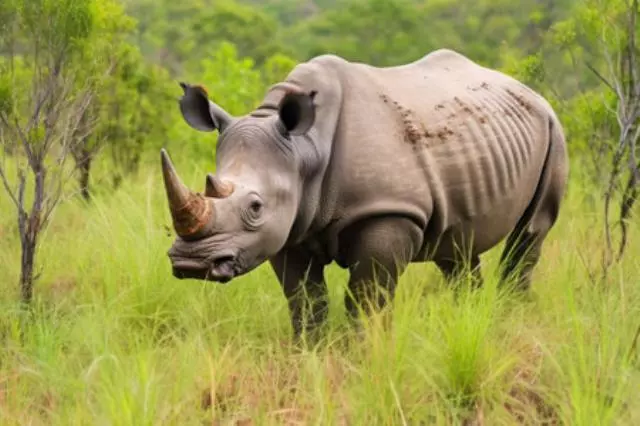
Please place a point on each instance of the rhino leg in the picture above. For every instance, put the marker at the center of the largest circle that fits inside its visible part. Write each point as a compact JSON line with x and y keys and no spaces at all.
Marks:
{"x":454,"y":269}
{"x":520,"y":256}
{"x":376,"y":251}
{"x":302,"y":279}
{"x":524,"y":244}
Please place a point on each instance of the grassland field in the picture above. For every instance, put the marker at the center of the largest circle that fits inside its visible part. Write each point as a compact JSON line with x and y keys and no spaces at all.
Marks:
{"x":116,"y":340}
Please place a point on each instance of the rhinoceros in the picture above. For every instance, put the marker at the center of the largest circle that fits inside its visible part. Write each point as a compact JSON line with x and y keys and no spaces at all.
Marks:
{"x":372,"y":168}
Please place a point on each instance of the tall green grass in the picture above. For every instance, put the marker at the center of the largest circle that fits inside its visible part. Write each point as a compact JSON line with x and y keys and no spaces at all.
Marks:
{"x":116,"y":340}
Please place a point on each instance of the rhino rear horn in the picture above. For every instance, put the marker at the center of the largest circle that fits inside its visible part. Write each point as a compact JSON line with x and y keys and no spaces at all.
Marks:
{"x":217,"y":188}
{"x":297,"y":112}
{"x":191,"y":212}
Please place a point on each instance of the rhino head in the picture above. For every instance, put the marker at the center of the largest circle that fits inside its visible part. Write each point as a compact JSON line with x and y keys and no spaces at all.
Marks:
{"x":248,"y":207}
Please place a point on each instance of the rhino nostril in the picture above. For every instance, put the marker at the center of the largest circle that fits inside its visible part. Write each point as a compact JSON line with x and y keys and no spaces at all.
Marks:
{"x":222,"y":268}
{"x":222,"y":261}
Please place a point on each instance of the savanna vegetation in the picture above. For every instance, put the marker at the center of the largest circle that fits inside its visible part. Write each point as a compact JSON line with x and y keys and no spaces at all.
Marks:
{"x":95,"y":330}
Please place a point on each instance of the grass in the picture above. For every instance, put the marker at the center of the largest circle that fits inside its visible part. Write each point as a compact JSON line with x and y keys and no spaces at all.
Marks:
{"x":116,"y":340}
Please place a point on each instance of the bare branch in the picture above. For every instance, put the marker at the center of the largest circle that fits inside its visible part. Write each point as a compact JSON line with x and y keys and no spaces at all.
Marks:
{"x":600,"y":76}
{"x":628,"y":115}
{"x":631,"y":47}
{"x":585,"y":264}
{"x":615,"y":166}
{"x":629,"y":198}
{"x":607,"y":55}
{"x":21,"y":213}
{"x":25,"y":143}
{"x":5,"y":181}
{"x":7,"y":187}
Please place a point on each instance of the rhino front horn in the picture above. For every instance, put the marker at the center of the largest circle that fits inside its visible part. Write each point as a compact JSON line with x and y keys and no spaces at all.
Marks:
{"x":191,"y":212}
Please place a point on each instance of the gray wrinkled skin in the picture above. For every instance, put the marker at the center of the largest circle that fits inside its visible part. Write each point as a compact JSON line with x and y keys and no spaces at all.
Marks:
{"x":373,"y":168}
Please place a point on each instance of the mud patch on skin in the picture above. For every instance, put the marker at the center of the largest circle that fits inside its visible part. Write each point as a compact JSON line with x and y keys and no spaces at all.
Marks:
{"x":444,"y":133}
{"x":484,"y":85}
{"x":471,"y":109}
{"x":414,"y":131}
{"x":466,"y":108}
{"x":520,"y":99}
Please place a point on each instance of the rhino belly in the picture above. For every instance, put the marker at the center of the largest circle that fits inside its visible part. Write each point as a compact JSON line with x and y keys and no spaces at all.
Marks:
{"x":475,"y":235}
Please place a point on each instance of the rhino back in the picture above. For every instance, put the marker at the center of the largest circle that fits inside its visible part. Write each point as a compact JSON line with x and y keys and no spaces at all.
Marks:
{"x":449,"y":143}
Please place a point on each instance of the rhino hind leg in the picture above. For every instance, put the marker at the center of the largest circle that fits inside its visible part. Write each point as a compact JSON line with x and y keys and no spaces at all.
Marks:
{"x":455,"y":269}
{"x":521,"y":254}
{"x":376,"y":251}
{"x":523,"y":247}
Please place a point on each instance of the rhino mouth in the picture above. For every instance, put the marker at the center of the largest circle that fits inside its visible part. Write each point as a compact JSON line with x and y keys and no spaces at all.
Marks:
{"x":222,"y":269}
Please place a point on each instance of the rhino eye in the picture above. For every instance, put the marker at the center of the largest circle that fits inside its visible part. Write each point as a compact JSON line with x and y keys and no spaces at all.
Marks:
{"x":256,"y":207}
{"x":251,"y":214}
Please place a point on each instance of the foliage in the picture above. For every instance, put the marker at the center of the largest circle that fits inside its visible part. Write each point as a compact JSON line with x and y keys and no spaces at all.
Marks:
{"x":233,"y":82}
{"x":603,"y":35}
{"x":249,"y":29}
{"x":136,"y":110}
{"x":277,"y":67}
{"x":41,"y":111}
{"x":97,"y":62}
{"x":404,"y":30}
{"x":182,"y":33}
{"x":390,"y":29}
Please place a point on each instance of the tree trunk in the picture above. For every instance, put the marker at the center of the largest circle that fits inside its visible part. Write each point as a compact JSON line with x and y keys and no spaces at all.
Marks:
{"x":29,"y":225}
{"x":85,"y":171}
{"x":26,"y":271}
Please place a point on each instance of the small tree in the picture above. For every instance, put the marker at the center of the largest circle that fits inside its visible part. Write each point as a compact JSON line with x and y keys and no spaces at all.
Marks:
{"x":101,"y":56}
{"x":601,"y":38}
{"x":42,"y":110}
{"x":130,"y":105}
{"x":623,"y":69}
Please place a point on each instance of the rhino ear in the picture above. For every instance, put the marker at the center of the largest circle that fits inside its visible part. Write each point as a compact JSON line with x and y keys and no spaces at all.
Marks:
{"x":199,"y":112}
{"x":297,"y":112}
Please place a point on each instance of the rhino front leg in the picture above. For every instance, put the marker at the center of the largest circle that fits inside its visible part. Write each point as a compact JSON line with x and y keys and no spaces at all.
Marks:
{"x":377,"y":251}
{"x":302,"y":280}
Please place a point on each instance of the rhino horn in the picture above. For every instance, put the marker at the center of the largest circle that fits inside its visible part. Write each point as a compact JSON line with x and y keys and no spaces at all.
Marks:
{"x":191,"y":212}
{"x":217,"y":188}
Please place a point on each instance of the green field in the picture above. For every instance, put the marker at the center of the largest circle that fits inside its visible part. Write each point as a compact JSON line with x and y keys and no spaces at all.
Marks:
{"x":116,"y":340}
